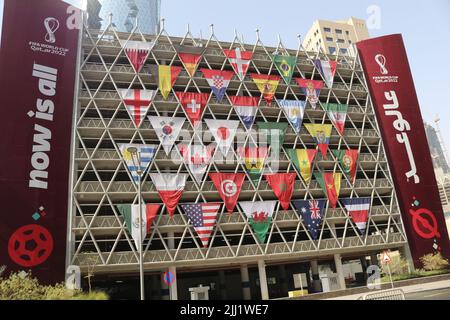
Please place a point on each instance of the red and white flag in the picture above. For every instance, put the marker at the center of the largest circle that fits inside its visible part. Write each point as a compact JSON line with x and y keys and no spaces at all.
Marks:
{"x":137,"y":103}
{"x":240,"y":60}
{"x":193,"y":104}
{"x":198,"y":157}
{"x":167,"y":129}
{"x":137,"y":52}
{"x":170,"y":187}
{"x":224,"y":131}
{"x":282,"y":185}
{"x":203,"y":217}
{"x":229,"y":186}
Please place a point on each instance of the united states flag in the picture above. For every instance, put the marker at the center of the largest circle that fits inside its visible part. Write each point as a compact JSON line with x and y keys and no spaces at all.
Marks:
{"x":203,"y":217}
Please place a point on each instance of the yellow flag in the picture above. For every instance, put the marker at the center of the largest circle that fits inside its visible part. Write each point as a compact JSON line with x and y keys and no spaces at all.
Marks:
{"x":337,"y":182}
{"x":267,"y":85}
{"x":167,"y":77}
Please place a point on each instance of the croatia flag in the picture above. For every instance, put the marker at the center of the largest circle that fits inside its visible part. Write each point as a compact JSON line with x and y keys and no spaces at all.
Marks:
{"x":327,"y":69}
{"x":246,"y":108}
{"x":218,"y":80}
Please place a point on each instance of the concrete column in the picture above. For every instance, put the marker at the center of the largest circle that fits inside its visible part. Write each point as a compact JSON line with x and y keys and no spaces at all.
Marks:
{"x":263,"y":280}
{"x":173,"y":287}
{"x":223,"y":285}
{"x":245,"y":280}
{"x":171,"y":240}
{"x":284,"y":280}
{"x":154,"y":288}
{"x":340,"y":271}
{"x":406,"y":253}
{"x":374,"y":259}
{"x":316,"y":284}
{"x":165,"y":292}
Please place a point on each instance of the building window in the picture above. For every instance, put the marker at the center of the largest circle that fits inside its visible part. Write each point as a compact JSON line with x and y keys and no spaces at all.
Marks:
{"x":327,"y":29}
{"x":332,"y":50}
{"x":330,"y":39}
{"x":343,"y":50}
{"x":338,"y":31}
{"x":347,"y":32}
{"x":340,"y":40}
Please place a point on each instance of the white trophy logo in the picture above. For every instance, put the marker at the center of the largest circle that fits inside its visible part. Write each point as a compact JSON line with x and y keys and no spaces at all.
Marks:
{"x":381,"y":60}
{"x":51,"y":25}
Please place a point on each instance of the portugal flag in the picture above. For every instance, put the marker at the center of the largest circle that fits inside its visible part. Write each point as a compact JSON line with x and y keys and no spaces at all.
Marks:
{"x":229,"y":186}
{"x":348,"y":160}
{"x":170,"y":188}
{"x":267,"y":85}
{"x":282,"y":185}
{"x":331,"y":185}
{"x":303,"y":160}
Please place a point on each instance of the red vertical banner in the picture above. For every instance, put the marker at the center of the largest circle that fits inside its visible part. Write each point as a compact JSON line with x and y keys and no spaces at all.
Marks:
{"x":394,"y":97}
{"x":37,"y":79}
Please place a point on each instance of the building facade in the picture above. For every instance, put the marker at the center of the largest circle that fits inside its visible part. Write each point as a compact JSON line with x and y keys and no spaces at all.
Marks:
{"x":335,"y":36}
{"x":437,"y":152}
{"x":234,"y":264}
{"x":125,"y":13}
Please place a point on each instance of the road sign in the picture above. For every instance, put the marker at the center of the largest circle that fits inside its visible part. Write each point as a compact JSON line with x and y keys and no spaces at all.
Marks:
{"x":385,"y":258}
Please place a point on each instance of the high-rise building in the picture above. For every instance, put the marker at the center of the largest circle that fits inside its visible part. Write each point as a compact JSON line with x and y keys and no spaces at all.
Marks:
{"x":334,"y":36}
{"x":126,"y":12}
{"x":93,"y":8}
{"x":437,"y":152}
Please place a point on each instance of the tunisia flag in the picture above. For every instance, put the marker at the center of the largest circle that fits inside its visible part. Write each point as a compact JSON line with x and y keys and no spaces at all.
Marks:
{"x":229,"y":186}
{"x":282,"y":185}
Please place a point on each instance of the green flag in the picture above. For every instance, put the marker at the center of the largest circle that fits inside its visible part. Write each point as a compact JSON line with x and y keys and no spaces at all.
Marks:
{"x":275,"y":132}
{"x":285,"y":66}
{"x":259,"y":215}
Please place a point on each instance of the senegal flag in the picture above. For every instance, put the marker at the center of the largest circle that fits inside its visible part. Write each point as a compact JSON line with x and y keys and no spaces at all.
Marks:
{"x":322,"y":135}
{"x":267,"y":85}
{"x":285,"y":66}
{"x":331,"y":185}
{"x":254,"y":159}
{"x":348,"y":160}
{"x":303,"y":160}
{"x":337,"y":114}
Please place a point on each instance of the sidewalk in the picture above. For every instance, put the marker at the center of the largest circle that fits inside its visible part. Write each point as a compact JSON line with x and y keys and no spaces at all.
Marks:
{"x":407,"y":289}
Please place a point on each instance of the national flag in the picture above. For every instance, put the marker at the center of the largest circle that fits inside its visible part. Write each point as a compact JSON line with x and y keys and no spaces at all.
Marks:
{"x":167,"y":129}
{"x":198,"y":157}
{"x":254,"y":159}
{"x":322,"y":135}
{"x":145,"y":153}
{"x":190,"y":57}
{"x":246,"y":108}
{"x":203,"y":217}
{"x":311,"y":212}
{"x":224,"y":132}
{"x":303,"y":160}
{"x":327,"y":69}
{"x":137,"y":103}
{"x":275,"y":133}
{"x":165,"y":77}
{"x":311,"y":89}
{"x":218,"y":80}
{"x":348,"y":160}
{"x":285,"y":66}
{"x":331,"y":185}
{"x":267,"y":85}
{"x":294,"y":111}
{"x":240,"y":61}
{"x":193,"y":104}
{"x":229,"y":186}
{"x":358,"y":209}
{"x":282,"y":185}
{"x":137,"y":52}
{"x":337,"y":114}
{"x":259,"y":215}
{"x":170,"y":187}
{"x":130,"y":214}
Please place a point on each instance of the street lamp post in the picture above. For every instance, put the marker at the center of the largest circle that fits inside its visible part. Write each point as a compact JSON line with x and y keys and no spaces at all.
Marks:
{"x":136,"y":156}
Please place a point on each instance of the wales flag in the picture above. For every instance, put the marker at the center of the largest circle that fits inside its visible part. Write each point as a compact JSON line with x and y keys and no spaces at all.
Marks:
{"x":285,"y":66}
{"x":259,"y":215}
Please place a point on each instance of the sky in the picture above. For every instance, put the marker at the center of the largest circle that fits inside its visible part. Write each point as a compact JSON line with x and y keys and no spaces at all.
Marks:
{"x":422,"y":23}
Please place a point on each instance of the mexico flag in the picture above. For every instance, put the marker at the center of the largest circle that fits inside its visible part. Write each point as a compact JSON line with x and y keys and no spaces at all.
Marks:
{"x":193,"y":104}
{"x":337,"y":114}
{"x":240,"y":61}
{"x":282,"y":185}
{"x":170,"y":188}
{"x":246,"y":108}
{"x":327,"y":70}
{"x":137,"y":103}
{"x":137,"y":52}
{"x":130,"y":214}
{"x":331,"y":185}
{"x":303,"y":160}
{"x":348,"y":160}
{"x":229,"y":186}
{"x":259,"y":215}
{"x":358,"y":209}
{"x":224,"y":132}
{"x":267,"y":85}
{"x":322,"y":135}
{"x":190,"y":57}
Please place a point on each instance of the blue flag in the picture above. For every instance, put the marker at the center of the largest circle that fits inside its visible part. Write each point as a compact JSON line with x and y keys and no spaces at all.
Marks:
{"x":311,"y":212}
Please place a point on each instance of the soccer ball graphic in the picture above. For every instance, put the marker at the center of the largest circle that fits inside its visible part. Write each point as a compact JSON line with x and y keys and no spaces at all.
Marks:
{"x":30,"y":245}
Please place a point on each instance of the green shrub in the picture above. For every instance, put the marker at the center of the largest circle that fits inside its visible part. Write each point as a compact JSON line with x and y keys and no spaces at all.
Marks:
{"x":433,"y":262}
